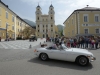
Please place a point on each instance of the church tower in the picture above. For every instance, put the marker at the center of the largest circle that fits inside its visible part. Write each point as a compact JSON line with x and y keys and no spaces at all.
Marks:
{"x":51,"y":13}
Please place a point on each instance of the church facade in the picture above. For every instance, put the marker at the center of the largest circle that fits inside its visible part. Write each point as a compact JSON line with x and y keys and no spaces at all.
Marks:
{"x":45,"y":24}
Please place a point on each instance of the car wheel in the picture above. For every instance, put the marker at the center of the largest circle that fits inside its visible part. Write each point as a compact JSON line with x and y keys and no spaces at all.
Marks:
{"x":43,"y":56}
{"x":83,"y":61}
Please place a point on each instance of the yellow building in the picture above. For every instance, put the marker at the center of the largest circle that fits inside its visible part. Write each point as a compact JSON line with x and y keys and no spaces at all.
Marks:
{"x":83,"y":22}
{"x":10,"y":23}
{"x":56,"y":30}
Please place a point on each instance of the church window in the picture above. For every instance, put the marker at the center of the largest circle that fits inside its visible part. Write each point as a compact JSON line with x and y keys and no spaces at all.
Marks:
{"x":51,"y":17}
{"x":38,"y":18}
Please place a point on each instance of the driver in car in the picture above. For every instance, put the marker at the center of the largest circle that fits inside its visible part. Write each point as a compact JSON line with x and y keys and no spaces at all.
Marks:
{"x":55,"y":46}
{"x":60,"y":46}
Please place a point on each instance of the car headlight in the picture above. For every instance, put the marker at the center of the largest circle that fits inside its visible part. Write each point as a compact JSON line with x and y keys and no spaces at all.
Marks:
{"x":89,"y":55}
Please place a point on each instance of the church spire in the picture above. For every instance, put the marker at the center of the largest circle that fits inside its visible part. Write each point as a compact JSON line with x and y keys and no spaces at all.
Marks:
{"x":51,"y":4}
{"x":38,"y":5}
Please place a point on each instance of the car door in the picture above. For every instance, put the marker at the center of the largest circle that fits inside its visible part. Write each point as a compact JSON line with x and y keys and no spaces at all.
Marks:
{"x":58,"y":54}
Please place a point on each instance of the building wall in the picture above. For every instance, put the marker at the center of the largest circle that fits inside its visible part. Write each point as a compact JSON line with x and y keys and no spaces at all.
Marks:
{"x":2,"y":33}
{"x":8,"y":20}
{"x":70,"y":26}
{"x":79,"y":25}
{"x":14,"y":22}
{"x":91,"y":20}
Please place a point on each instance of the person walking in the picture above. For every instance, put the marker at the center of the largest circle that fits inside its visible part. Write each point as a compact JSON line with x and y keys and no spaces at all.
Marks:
{"x":96,"y":43}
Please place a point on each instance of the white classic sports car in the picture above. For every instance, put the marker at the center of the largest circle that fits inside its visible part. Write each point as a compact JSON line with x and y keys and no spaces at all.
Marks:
{"x":80,"y":56}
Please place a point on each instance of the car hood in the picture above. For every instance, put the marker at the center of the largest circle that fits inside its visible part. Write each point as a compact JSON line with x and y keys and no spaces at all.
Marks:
{"x":80,"y":50}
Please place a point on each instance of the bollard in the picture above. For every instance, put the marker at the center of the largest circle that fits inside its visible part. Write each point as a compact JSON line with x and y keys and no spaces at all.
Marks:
{"x":30,"y":46}
{"x":40,"y":43}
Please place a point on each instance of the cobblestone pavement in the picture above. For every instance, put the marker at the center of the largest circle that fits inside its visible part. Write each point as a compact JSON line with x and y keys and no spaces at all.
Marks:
{"x":24,"y":62}
{"x":19,"y":44}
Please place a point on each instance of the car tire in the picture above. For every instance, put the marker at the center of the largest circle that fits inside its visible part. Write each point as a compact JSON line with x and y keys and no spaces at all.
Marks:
{"x":82,"y":61}
{"x":43,"y":56}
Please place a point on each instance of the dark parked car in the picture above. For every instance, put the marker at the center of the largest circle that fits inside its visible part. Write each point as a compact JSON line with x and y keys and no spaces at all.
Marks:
{"x":32,"y":38}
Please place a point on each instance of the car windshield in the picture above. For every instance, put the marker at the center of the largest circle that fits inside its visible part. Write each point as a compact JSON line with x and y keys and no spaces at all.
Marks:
{"x":64,"y":47}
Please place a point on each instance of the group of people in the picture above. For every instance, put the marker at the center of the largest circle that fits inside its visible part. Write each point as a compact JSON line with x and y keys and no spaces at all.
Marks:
{"x":79,"y":42}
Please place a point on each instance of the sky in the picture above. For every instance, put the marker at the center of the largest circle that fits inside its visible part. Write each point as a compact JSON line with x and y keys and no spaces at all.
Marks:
{"x":63,"y":8}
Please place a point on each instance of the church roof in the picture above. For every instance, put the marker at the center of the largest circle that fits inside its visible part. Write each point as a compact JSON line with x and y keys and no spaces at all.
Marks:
{"x":51,"y":5}
{"x":38,"y":6}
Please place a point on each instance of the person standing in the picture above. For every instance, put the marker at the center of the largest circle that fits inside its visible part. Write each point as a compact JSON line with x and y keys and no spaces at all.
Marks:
{"x":0,"y":39}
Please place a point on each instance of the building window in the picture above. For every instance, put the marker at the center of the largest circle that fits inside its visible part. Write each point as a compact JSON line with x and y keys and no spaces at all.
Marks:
{"x":72,"y":32}
{"x":51,"y":30}
{"x":43,"y":30}
{"x":46,"y":30}
{"x":20,"y":24}
{"x":38,"y":25}
{"x":86,"y":31}
{"x":51,"y":25}
{"x":85,"y":18}
{"x":0,"y":23}
{"x":6,"y":15}
{"x":72,"y":22}
{"x":43,"y":26}
{"x":18,"y":30}
{"x":13,"y":27}
{"x":38,"y":18}
{"x":43,"y":19}
{"x":12,"y":18}
{"x":97,"y":31}
{"x":96,"y":18}
{"x":6,"y":25}
{"x":51,"y":17}
{"x":0,"y":10}
{"x":46,"y":25}
{"x":68,"y":33}
{"x":68,"y":24}
{"x":0,"y":34}
{"x":38,"y":30}
{"x":3,"y":34}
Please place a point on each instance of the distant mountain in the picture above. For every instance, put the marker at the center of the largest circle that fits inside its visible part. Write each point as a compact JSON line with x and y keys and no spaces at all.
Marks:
{"x":33,"y":24}
{"x":60,"y":27}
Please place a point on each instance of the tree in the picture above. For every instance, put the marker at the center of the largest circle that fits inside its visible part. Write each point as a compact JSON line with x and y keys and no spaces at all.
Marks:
{"x":27,"y":32}
{"x":60,"y":33}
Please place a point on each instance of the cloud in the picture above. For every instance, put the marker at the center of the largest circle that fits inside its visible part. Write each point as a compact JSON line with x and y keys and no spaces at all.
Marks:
{"x":64,"y":8}
{"x":35,"y":2}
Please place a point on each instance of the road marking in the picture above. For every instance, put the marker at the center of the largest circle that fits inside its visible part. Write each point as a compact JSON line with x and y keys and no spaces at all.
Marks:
{"x":3,"y":46}
{"x":10,"y":46}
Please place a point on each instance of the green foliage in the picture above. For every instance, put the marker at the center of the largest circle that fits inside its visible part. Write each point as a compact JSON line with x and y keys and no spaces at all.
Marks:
{"x":27,"y":32}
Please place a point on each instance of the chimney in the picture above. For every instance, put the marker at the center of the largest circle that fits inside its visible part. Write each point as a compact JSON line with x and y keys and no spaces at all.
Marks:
{"x":7,"y":6}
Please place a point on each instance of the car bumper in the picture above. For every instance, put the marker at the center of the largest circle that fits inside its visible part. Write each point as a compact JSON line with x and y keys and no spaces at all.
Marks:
{"x":92,"y":59}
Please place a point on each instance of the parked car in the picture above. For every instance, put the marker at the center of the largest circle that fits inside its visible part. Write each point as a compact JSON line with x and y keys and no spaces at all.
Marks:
{"x":33,"y":38}
{"x":81,"y":56}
